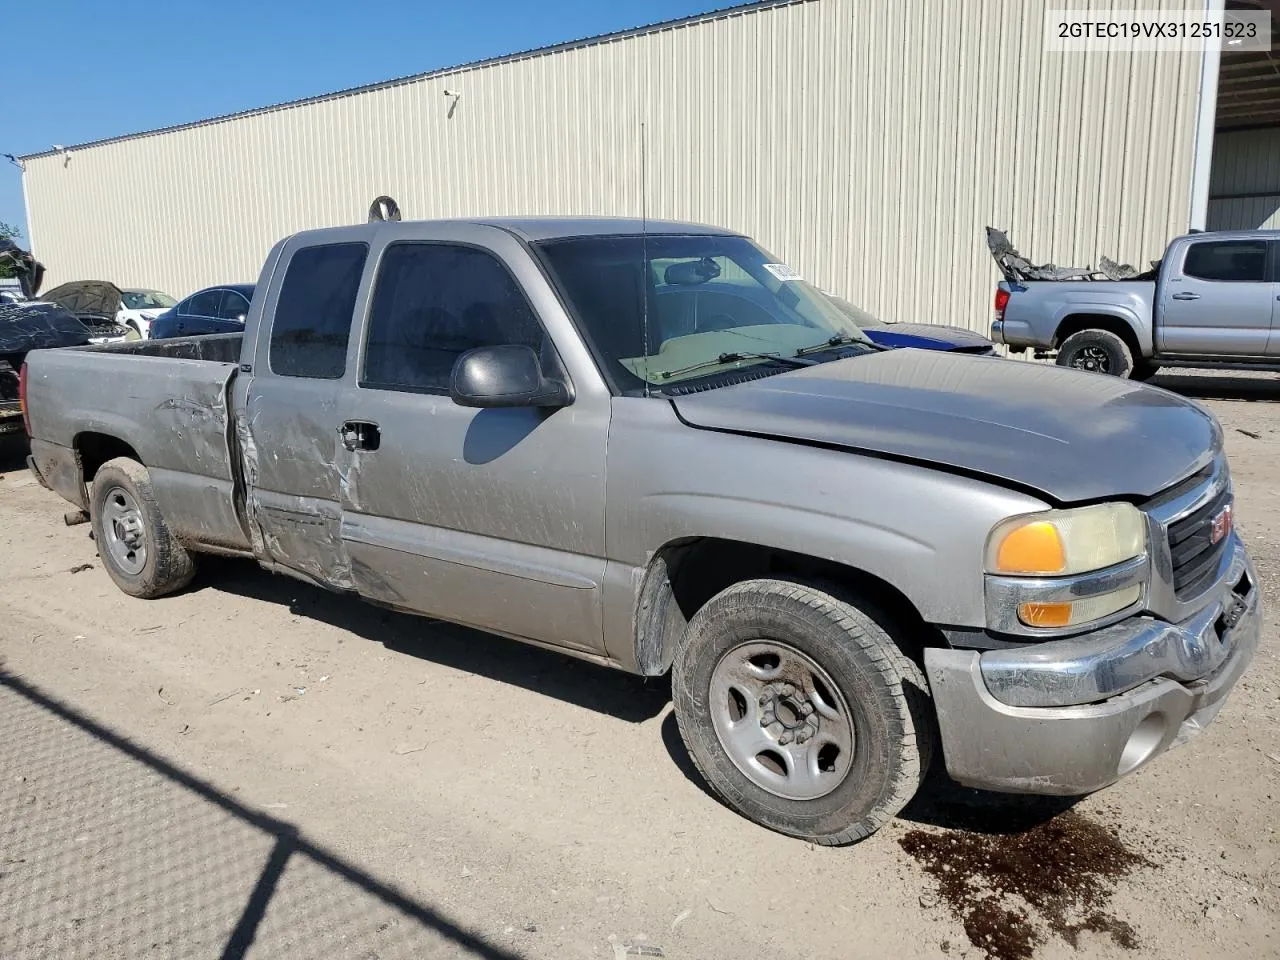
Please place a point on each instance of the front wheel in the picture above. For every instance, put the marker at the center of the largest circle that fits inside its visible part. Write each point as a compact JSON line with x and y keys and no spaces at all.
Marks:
{"x":801,"y":711}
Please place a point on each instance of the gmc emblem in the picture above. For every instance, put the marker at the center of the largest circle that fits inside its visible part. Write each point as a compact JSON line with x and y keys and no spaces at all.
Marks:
{"x":1221,"y":525}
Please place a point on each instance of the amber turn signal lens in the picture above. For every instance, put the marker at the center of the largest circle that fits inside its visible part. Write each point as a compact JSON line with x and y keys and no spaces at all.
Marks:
{"x":1035,"y":548}
{"x":1045,"y":614}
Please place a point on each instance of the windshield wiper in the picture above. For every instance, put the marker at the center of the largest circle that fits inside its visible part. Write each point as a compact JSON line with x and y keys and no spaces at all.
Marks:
{"x":735,"y":358}
{"x":839,"y":340}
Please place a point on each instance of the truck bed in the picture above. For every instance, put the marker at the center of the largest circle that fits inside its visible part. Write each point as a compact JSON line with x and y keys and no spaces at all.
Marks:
{"x":167,"y":400}
{"x":1037,"y":308}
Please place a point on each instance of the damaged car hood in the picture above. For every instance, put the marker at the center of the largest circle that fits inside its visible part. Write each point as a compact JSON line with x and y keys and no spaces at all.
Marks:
{"x":1068,"y":435}
{"x":37,"y":326}
{"x":98,"y":298}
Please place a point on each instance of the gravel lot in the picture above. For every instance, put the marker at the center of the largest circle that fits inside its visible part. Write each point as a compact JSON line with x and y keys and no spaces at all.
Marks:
{"x":258,"y":768}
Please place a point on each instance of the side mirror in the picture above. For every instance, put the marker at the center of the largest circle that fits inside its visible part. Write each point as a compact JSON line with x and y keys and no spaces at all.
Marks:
{"x":505,"y":376}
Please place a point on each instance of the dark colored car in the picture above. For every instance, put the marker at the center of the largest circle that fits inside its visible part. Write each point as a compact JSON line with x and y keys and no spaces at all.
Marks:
{"x":25,"y":326}
{"x":923,"y":336}
{"x":211,"y":310}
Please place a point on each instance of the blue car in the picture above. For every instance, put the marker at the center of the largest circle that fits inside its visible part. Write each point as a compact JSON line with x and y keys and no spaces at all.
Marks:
{"x":212,"y":310}
{"x":922,"y":336}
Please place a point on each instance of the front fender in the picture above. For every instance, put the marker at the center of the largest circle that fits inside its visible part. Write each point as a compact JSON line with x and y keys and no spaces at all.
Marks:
{"x":919,"y":529}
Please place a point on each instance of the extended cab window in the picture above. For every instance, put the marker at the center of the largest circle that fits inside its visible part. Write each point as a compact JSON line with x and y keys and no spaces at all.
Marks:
{"x":312,"y":322}
{"x":433,"y":302}
{"x":1238,"y":261}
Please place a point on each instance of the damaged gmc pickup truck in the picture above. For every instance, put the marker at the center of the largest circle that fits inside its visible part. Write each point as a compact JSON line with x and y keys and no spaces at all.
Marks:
{"x":657,"y":448}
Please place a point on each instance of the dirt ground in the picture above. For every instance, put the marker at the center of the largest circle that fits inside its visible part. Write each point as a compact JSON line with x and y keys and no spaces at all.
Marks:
{"x":255,"y":767}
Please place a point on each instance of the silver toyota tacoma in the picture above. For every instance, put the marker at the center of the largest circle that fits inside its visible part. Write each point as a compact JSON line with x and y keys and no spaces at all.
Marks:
{"x":1213,"y":300}
{"x":658,"y":448}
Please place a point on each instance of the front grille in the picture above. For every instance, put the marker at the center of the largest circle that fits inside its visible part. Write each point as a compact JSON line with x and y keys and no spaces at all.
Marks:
{"x":1195,"y":556}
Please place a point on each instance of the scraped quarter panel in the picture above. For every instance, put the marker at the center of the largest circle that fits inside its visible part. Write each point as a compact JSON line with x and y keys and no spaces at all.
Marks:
{"x":171,"y":411}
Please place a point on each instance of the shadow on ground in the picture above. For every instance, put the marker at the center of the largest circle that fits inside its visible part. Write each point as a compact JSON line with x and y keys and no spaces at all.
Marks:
{"x":1260,"y":387}
{"x":635,"y":699}
{"x":583,"y":684}
{"x":110,"y":850}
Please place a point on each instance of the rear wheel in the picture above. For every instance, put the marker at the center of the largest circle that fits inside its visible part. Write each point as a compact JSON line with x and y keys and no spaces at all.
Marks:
{"x":1098,"y":351}
{"x":137,"y":549}
{"x":800,"y":710}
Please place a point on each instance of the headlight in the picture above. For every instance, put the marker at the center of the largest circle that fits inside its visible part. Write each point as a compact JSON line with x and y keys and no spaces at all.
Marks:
{"x":1063,"y":542}
{"x":1062,"y":549}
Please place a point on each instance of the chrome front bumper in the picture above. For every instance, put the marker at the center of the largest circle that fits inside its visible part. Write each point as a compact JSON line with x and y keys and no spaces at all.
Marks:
{"x":1071,"y":716}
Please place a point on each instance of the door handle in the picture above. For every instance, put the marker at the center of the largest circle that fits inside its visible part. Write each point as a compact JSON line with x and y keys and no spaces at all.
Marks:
{"x":1186,"y":296}
{"x":360,"y":435}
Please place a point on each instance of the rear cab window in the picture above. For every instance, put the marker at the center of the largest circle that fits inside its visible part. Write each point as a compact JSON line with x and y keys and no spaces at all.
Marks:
{"x":1227,"y":261}
{"x":313,"y":315}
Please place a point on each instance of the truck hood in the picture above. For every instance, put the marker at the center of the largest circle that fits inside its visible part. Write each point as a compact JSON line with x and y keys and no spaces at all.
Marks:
{"x":1069,"y":436}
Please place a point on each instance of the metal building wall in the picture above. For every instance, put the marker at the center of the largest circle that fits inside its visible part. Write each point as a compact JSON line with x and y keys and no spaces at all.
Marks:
{"x":1244,"y":192}
{"x":867,"y":142}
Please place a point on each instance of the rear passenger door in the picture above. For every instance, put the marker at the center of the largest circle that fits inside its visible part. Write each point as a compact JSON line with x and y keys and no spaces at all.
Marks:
{"x":292,"y":414}
{"x":1218,"y":301}
{"x":490,"y":517}
{"x":232,"y":310}
{"x":195,"y":312}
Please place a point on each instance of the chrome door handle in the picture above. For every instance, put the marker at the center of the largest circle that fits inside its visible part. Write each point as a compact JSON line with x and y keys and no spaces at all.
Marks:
{"x":1186,"y":296}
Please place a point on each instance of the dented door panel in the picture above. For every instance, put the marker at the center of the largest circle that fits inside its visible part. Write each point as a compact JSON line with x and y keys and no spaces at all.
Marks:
{"x":492,"y":518}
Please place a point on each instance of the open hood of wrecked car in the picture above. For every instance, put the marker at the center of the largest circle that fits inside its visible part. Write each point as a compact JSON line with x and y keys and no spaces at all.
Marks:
{"x":84,"y":297}
{"x":37,"y":326}
{"x":1069,"y":435}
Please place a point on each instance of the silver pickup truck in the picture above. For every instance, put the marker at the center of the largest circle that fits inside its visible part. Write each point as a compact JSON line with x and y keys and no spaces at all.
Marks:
{"x":660,"y":449}
{"x":1215,"y":301}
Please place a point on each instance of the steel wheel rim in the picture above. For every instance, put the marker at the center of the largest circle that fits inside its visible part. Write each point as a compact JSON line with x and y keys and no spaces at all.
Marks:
{"x":781,"y":720}
{"x":123,"y":531}
{"x":1092,"y":358}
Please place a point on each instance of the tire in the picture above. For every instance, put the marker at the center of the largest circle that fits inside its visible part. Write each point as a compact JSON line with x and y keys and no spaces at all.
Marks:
{"x":132,"y":333}
{"x":864,"y":677}
{"x":1098,"y":351}
{"x":136,"y":547}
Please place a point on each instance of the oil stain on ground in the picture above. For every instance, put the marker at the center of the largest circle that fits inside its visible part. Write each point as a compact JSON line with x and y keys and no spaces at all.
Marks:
{"x":1013,"y":890}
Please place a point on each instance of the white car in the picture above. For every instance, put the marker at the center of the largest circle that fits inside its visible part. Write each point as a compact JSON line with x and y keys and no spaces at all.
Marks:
{"x":138,"y":308}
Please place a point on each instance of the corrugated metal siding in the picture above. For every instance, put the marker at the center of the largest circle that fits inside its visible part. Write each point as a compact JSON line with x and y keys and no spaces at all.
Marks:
{"x":866,"y":142}
{"x":1244,"y":190}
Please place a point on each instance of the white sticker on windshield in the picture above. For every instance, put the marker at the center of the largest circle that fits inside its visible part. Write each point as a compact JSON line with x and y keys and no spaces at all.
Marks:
{"x":782,"y":271}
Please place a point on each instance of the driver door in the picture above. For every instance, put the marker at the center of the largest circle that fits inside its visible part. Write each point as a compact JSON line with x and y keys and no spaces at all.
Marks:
{"x":488,"y":517}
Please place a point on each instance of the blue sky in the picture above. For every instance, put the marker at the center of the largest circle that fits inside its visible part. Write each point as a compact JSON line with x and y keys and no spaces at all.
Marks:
{"x":78,"y":70}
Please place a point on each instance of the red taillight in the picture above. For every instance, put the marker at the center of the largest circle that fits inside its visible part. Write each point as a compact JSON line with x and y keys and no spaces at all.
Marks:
{"x":1002,"y":301}
{"x":22,"y":399}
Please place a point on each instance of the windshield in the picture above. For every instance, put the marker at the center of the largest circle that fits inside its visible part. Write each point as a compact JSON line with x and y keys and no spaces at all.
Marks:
{"x":714,"y":304}
{"x":146,"y":299}
{"x":859,"y":316}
